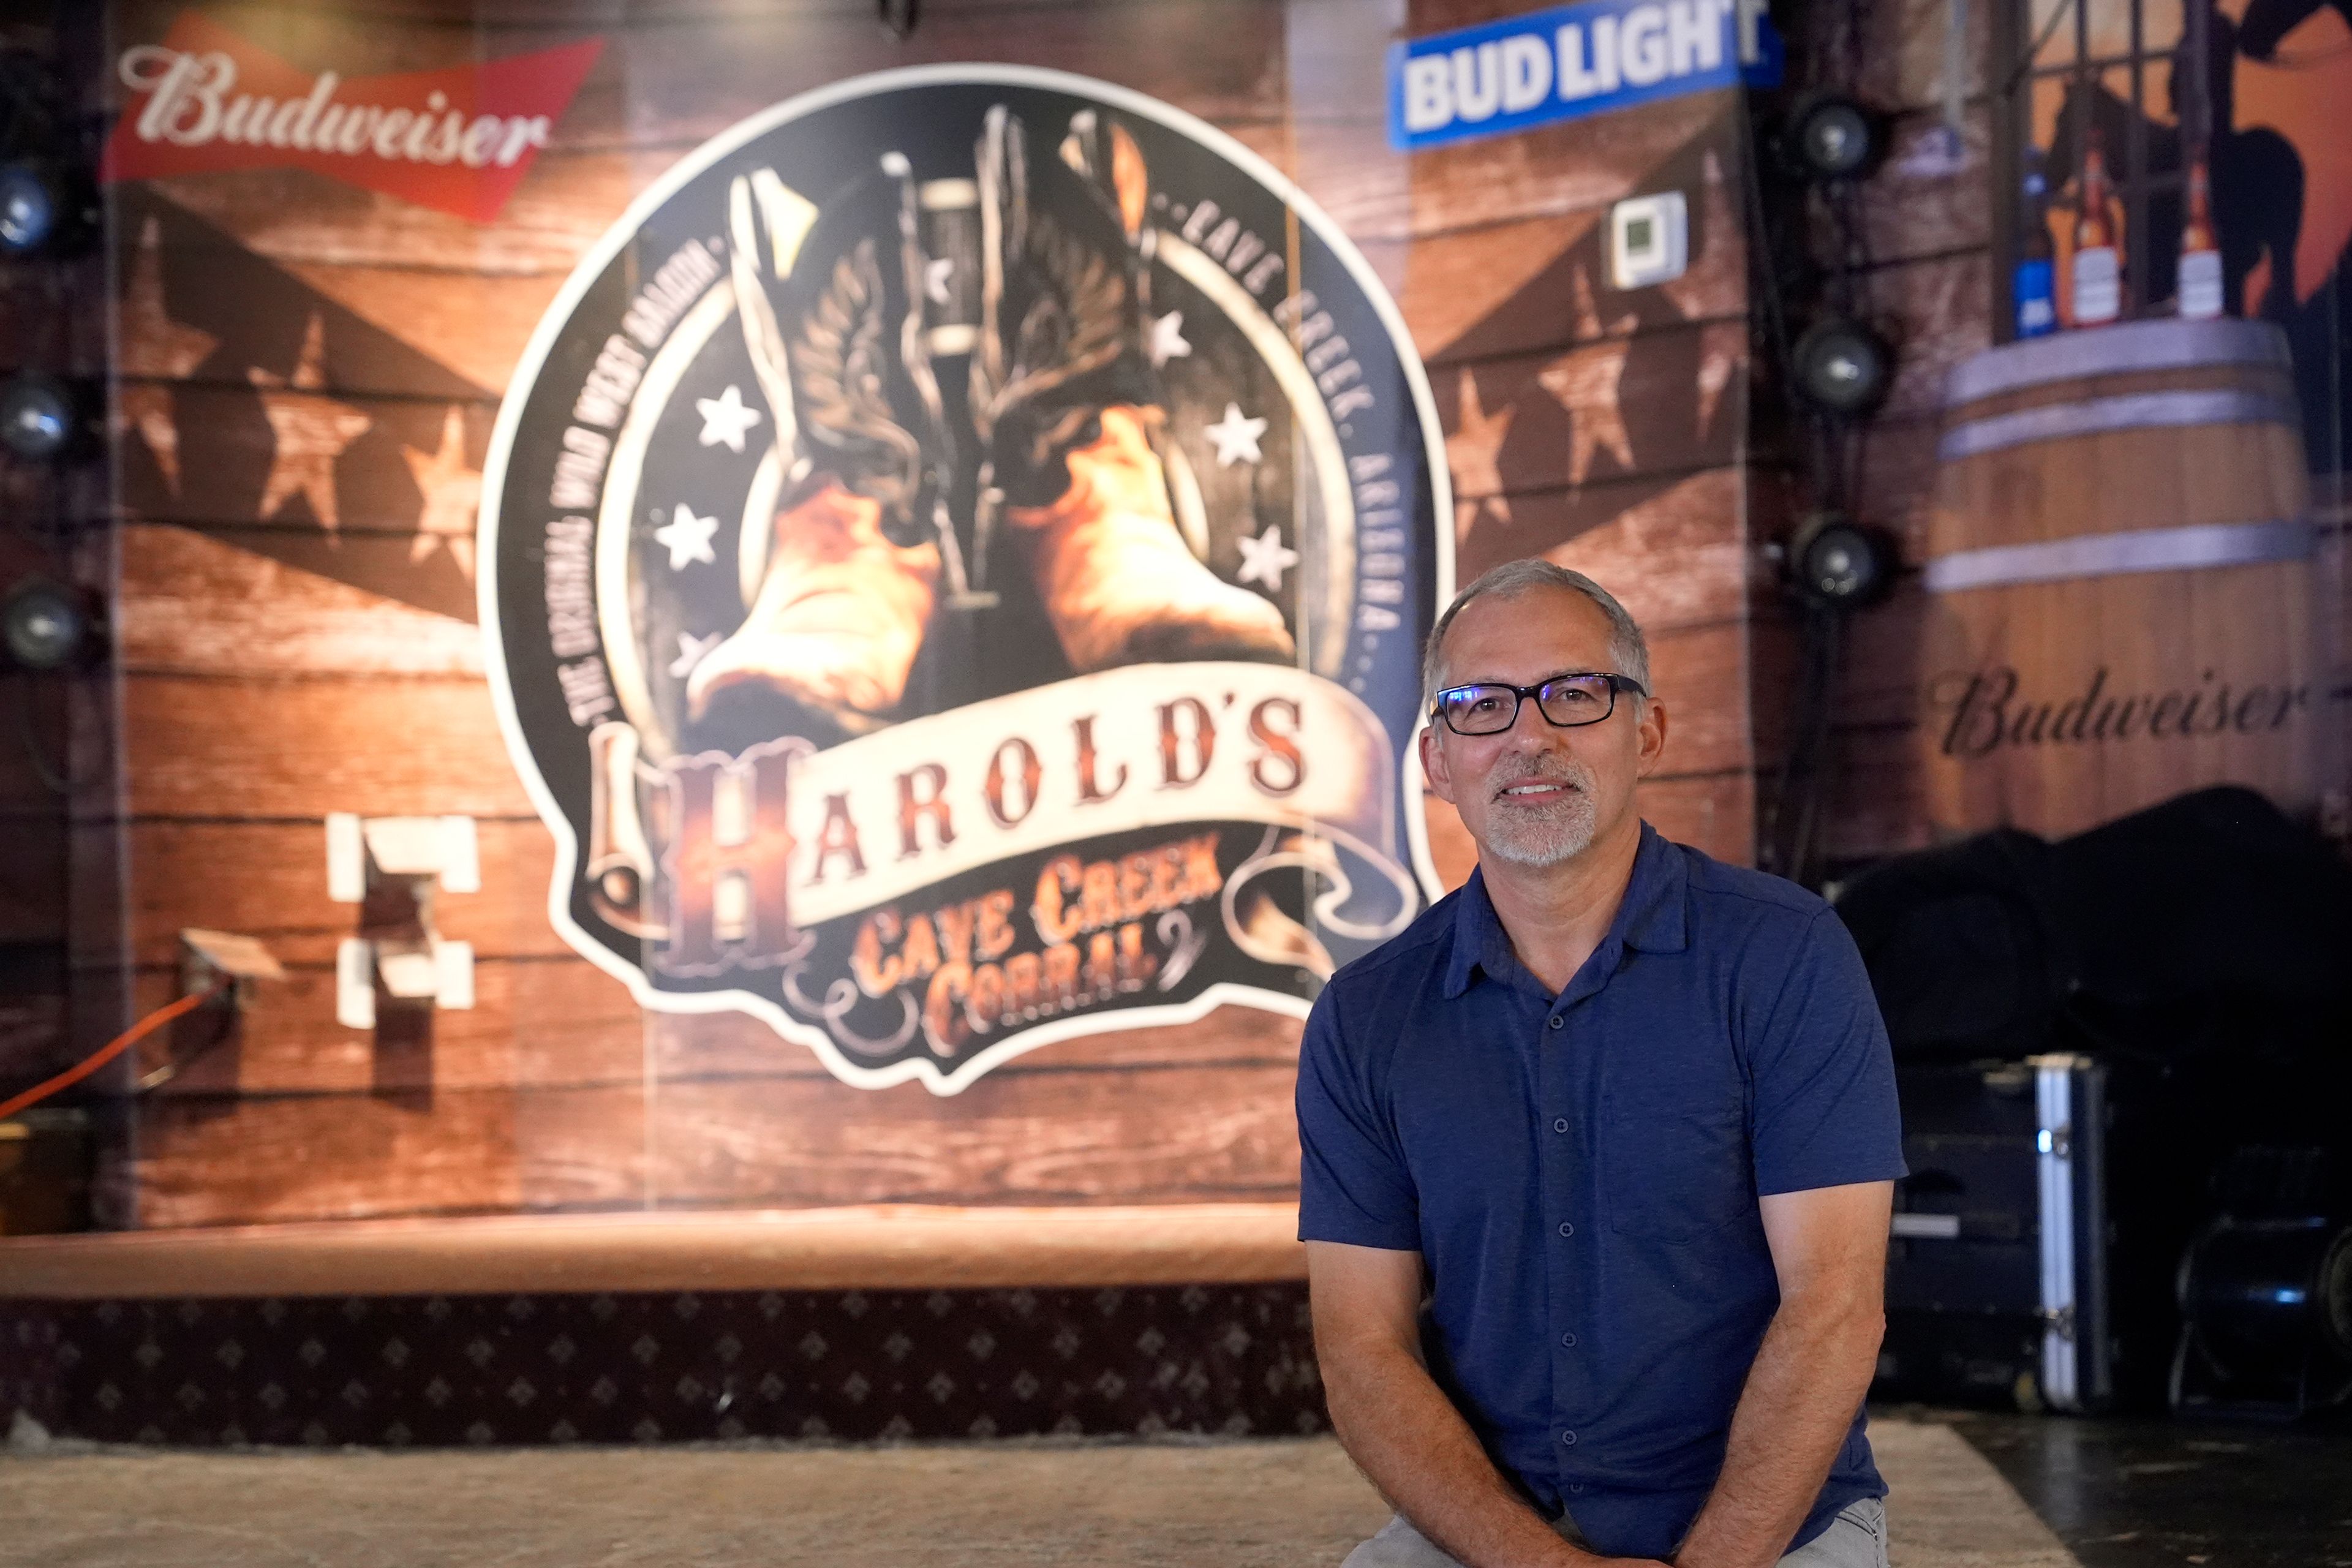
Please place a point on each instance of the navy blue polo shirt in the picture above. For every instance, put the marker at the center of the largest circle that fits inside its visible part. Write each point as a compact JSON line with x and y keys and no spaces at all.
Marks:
{"x":1579,"y":1174}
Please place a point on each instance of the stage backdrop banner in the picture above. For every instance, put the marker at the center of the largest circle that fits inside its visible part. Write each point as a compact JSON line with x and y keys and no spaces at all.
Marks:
{"x":901,"y":560}
{"x":954,"y":560}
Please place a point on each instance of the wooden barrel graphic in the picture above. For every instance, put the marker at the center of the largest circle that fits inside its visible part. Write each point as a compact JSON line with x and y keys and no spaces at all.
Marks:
{"x":2119,"y":578}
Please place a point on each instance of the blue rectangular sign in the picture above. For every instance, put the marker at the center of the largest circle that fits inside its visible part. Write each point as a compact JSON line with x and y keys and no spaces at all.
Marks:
{"x":1570,"y":61}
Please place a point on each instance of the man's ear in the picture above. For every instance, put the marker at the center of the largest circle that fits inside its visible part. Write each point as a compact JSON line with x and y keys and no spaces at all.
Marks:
{"x":1433,"y":766}
{"x":1651,"y":737}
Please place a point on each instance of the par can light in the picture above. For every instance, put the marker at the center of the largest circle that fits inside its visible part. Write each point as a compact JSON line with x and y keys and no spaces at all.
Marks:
{"x":36,"y":208}
{"x":1836,"y":563}
{"x":1834,"y":138}
{"x":1842,"y":367}
{"x":29,"y":208}
{"x":44,"y":626}
{"x":42,"y":208}
{"x":40,"y":417}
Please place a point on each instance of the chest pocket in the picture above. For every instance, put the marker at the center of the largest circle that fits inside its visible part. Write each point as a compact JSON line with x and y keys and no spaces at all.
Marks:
{"x":1674,"y":1163}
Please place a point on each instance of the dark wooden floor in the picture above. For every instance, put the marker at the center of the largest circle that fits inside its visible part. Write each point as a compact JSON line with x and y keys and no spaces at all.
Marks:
{"x":2145,"y":1493}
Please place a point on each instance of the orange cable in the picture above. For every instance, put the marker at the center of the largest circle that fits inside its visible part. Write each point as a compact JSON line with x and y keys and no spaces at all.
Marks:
{"x":108,"y":1052}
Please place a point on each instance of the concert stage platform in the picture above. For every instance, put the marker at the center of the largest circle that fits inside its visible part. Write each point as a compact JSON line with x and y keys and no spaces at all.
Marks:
{"x":872,"y":1247}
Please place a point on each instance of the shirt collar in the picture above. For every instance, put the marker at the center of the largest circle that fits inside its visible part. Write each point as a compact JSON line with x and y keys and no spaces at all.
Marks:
{"x":1654,"y":917}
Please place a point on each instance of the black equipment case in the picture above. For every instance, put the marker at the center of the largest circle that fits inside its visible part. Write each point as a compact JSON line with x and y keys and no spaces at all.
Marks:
{"x":1996,"y":1277}
{"x":2084,"y":1033}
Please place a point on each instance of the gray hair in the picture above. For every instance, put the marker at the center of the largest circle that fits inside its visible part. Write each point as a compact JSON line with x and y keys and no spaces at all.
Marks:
{"x":1512,"y":579}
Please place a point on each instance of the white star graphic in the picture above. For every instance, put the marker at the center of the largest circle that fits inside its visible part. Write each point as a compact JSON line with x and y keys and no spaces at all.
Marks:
{"x":1586,"y":382}
{"x":935,"y":278}
{"x":688,"y":537}
{"x":452,"y":492}
{"x":691,"y":650}
{"x":1265,"y":558}
{"x":1722,"y":347}
{"x":1474,"y":450}
{"x":155,"y":345}
{"x":310,"y":431}
{"x":1168,"y":338}
{"x":725,"y":418}
{"x":1714,"y":275}
{"x":1236,"y":438}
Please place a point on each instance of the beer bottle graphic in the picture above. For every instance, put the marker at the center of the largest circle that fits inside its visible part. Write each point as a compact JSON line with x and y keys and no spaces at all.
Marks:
{"x":2099,"y":266}
{"x":2200,"y":251}
{"x":2033,"y":284}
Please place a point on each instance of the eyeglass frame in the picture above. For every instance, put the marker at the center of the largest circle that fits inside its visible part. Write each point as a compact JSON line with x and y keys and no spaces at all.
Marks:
{"x":1519,"y":694}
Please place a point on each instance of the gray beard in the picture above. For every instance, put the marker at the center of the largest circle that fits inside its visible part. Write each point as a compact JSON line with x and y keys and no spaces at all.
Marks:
{"x":1537,"y":837}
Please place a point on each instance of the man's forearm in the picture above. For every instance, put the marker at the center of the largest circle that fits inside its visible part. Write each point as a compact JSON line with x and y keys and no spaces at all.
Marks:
{"x":1396,"y":1422}
{"x":1808,"y":1377}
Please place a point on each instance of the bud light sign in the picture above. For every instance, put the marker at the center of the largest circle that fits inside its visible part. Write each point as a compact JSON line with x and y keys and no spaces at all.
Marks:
{"x":1571,"y":61}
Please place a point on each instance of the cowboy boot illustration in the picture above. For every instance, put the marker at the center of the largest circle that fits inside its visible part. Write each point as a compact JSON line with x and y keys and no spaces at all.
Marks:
{"x":839,"y":618}
{"x":856,"y":559}
{"x":1065,"y":407}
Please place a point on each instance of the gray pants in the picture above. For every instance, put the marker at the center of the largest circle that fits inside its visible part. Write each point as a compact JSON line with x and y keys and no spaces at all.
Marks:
{"x":1855,"y":1539}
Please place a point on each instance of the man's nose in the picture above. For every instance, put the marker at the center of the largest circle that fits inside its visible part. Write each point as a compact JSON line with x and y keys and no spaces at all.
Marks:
{"x":1529,"y":724}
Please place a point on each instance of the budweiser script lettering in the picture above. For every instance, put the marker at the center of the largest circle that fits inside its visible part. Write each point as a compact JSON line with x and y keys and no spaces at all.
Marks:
{"x":189,"y":106}
{"x":1989,"y":711}
{"x":457,"y":140}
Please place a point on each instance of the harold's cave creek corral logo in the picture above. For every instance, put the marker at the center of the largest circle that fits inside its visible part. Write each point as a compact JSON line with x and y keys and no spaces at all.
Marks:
{"x":955,"y":558}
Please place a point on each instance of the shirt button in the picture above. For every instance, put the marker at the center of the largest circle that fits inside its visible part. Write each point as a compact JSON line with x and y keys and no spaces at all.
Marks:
{"x":1568,"y":1438}
{"x":1566,"y":1229}
{"x":1557,"y":1022}
{"x":1576,"y":1486}
{"x":1561,"y":1125}
{"x":1568,"y":1340}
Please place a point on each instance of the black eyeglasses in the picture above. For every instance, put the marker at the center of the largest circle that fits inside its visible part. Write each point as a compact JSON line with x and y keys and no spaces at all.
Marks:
{"x":1489,"y":708}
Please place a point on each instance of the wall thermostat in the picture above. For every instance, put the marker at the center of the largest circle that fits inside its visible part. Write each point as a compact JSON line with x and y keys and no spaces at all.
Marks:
{"x":1649,"y":240}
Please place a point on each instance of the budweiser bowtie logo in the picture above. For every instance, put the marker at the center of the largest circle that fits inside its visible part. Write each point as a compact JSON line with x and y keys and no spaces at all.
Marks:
{"x":458,"y":140}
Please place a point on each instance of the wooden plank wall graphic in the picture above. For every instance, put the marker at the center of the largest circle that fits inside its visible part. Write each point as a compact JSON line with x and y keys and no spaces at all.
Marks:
{"x":1608,"y":433}
{"x":296,"y":636}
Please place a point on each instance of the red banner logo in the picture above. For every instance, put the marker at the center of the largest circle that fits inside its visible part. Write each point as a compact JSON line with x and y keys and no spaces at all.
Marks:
{"x":458,"y":140}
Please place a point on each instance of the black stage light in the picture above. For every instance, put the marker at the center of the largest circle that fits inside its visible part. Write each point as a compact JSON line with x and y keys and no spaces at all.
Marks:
{"x":1836,"y":563}
{"x":2266,"y":1316}
{"x":40,"y":417}
{"x":29,"y":208}
{"x":44,"y":207}
{"x":1842,"y":366}
{"x":46,"y":627}
{"x":1832,"y":138}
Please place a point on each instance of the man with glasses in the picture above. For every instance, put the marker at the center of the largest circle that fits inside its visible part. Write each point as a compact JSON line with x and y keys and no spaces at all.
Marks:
{"x":1599,"y":1154}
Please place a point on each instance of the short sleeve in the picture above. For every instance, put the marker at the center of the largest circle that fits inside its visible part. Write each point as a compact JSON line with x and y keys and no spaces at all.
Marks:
{"x":1824,"y":1111}
{"x":1353,"y":1186}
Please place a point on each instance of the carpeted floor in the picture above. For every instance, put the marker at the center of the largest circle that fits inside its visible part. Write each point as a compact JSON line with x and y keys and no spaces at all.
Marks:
{"x":1948,"y":1508}
{"x":1257,"y":1504}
